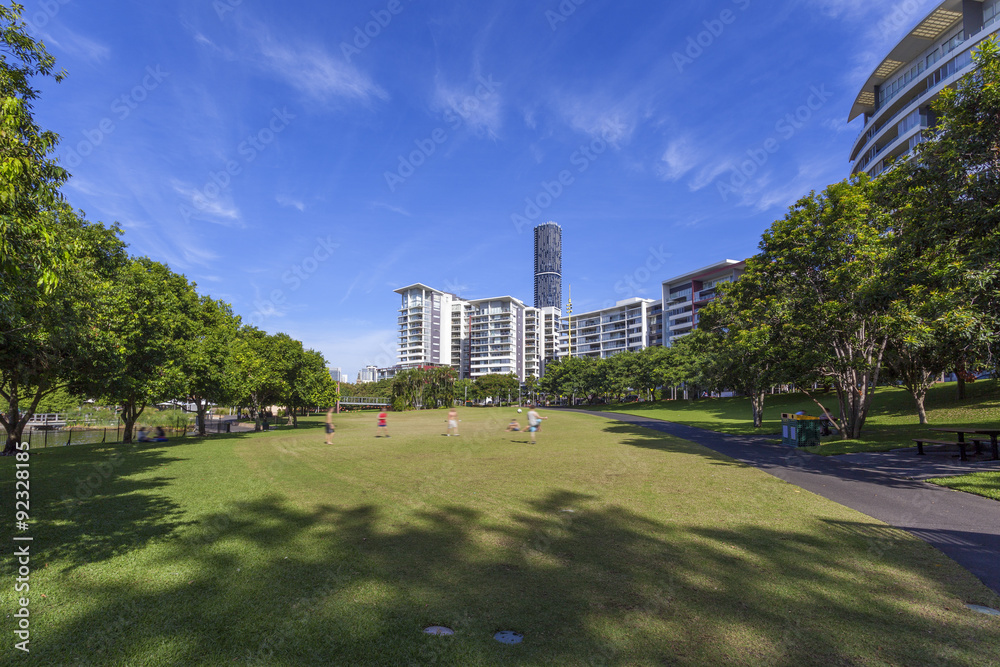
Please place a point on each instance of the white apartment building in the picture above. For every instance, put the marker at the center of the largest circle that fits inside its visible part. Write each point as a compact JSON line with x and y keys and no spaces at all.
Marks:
{"x":685,"y":295}
{"x":476,"y":336}
{"x":497,"y":337}
{"x":368,"y":374}
{"x":606,"y":332}
{"x":896,"y":99}
{"x":542,"y":338}
{"x":425,"y":326}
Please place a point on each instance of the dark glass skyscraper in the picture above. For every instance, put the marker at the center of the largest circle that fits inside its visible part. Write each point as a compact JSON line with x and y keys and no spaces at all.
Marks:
{"x":548,"y":265}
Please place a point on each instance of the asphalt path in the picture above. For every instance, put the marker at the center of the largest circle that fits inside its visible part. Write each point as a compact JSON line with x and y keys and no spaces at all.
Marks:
{"x":886,"y":486}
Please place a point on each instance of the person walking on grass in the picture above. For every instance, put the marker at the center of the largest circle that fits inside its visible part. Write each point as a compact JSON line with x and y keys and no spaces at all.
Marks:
{"x":383,"y":426}
{"x":452,"y":422}
{"x":329,"y":426}
{"x":534,"y":422}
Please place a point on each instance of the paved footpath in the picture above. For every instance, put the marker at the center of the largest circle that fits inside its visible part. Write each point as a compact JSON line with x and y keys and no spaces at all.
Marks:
{"x":885,"y":486}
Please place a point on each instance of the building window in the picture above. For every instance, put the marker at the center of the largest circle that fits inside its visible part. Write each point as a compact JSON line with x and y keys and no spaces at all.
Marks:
{"x":991,"y":12}
{"x":952,"y":44}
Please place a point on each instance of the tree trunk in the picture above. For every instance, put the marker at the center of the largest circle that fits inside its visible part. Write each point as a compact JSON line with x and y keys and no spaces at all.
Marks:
{"x":757,"y":401}
{"x":960,"y":376}
{"x":202,"y":405}
{"x":10,"y":420}
{"x":921,"y":412}
{"x":130,"y":415}
{"x":15,"y":420}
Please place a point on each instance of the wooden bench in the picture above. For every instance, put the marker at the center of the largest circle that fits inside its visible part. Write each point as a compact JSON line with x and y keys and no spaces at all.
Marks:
{"x":962,"y":446}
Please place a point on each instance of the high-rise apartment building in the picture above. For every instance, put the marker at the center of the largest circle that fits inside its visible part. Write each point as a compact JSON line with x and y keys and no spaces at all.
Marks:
{"x":425,"y":326}
{"x":496,"y":338}
{"x":543,"y":336}
{"x":548,"y":265}
{"x":896,"y":98}
{"x":368,"y":374}
{"x":476,"y":337}
{"x":624,"y":327}
{"x":685,"y":295}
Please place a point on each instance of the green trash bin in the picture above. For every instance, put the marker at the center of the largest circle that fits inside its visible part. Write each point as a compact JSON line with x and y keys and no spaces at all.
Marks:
{"x":789,"y":430}
{"x":807,"y":431}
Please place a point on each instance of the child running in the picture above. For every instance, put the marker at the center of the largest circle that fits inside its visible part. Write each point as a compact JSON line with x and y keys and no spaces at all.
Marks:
{"x":534,"y":423}
{"x":452,"y":422}
{"x":382,"y":427}
{"x":329,"y":426}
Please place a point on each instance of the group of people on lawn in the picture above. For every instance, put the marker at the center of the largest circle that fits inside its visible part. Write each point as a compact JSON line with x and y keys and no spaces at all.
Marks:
{"x":382,"y":428}
{"x":158,"y":434}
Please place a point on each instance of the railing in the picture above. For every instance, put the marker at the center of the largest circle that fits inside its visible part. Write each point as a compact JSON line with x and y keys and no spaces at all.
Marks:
{"x":363,"y":400}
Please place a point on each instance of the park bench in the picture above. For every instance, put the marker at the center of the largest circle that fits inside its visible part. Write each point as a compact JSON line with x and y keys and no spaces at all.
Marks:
{"x":962,"y":446}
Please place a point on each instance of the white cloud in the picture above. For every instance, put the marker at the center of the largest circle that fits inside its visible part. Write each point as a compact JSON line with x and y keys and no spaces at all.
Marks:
{"x":312,"y":71}
{"x":292,"y":203}
{"x":477,"y":104}
{"x":614,"y":123}
{"x":678,"y":159}
{"x":219,"y":209}
{"x":389,"y":207}
{"x":79,"y":46}
{"x":707,"y":174}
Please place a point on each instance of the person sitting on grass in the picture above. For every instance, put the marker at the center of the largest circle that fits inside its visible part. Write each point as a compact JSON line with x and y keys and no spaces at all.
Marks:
{"x":160,"y":435}
{"x":143,"y":434}
{"x":513,"y":425}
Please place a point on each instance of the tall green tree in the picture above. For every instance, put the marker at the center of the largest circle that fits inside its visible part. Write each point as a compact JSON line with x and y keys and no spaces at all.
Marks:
{"x":138,"y":350}
{"x":946,"y":217}
{"x":256,"y":376}
{"x":742,"y":339}
{"x":207,"y":355}
{"x":824,"y":265}
{"x":497,"y":385}
{"x":47,"y":329}
{"x":29,"y":176}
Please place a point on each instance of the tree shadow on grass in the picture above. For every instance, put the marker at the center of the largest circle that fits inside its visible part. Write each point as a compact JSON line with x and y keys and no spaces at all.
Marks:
{"x":88,"y":508}
{"x":273,"y":583}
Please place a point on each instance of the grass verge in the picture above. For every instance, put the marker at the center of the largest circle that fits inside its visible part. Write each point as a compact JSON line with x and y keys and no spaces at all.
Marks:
{"x":892,"y":421}
{"x":603,"y":544}
{"x":980,"y":483}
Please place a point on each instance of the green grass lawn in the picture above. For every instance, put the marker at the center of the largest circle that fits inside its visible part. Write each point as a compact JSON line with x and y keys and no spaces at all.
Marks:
{"x":604,"y":544}
{"x":892,"y":421}
{"x":980,"y":483}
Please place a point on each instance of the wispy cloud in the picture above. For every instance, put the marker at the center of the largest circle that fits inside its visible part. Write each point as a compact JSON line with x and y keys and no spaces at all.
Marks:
{"x":708,"y":173}
{"x":678,"y":159}
{"x":390,"y":207}
{"x":219,"y":209}
{"x":314,"y":72}
{"x":603,"y":116}
{"x":477,"y":104}
{"x":79,"y":46}
{"x":291,"y":203}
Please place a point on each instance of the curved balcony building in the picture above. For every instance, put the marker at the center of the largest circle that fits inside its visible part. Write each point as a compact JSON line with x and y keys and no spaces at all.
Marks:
{"x":896,"y":98}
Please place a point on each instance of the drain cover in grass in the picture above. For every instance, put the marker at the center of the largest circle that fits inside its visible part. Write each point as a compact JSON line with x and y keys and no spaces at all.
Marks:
{"x":508,"y":637}
{"x":983,"y":610}
{"x":438,"y":630}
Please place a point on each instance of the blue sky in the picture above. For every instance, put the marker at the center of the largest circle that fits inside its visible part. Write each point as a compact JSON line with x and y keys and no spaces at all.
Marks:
{"x":302,"y":160}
